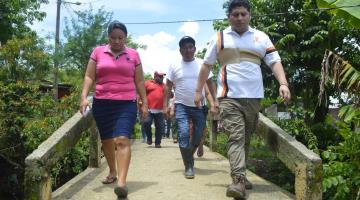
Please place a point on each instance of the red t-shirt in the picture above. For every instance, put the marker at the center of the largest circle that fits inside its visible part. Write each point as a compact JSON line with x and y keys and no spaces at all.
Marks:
{"x":155,"y":94}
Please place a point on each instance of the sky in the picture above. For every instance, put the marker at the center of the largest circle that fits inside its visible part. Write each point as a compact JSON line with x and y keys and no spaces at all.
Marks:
{"x":161,"y":39}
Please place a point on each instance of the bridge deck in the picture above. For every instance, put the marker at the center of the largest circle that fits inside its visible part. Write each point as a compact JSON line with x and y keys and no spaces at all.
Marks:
{"x":157,"y":174}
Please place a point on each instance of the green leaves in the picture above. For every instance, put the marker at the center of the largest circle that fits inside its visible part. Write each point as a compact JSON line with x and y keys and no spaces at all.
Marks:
{"x":83,"y":33}
{"x":16,"y":15}
{"x":342,"y":161}
{"x":24,"y":58}
{"x":343,"y":9}
{"x":286,"y":40}
{"x":350,"y":113}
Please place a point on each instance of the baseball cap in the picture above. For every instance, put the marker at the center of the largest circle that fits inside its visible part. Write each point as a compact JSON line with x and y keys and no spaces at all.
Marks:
{"x":156,"y":73}
{"x":186,"y":39}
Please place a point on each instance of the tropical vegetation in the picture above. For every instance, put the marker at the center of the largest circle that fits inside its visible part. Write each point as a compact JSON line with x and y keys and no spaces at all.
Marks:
{"x":317,"y":40}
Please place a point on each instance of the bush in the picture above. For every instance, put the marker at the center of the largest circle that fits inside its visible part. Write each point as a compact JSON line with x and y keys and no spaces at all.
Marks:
{"x":342,"y":166}
{"x":27,"y":118}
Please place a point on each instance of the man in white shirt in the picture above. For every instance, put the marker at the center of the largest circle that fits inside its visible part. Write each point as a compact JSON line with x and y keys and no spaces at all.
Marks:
{"x":184,"y":75}
{"x":240,"y":49}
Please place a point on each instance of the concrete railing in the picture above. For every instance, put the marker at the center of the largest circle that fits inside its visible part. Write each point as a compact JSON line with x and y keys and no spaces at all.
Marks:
{"x":303,"y":163}
{"x":306,"y":165}
{"x":39,"y":162}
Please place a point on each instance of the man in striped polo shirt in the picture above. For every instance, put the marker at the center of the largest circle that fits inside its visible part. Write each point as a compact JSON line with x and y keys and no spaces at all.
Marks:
{"x":240,"y":50}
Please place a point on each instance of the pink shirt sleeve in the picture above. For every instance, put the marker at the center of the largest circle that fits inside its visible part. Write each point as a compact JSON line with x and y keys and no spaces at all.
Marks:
{"x":94,"y":53}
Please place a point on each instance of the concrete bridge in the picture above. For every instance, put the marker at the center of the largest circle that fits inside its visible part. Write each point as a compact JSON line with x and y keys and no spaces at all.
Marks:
{"x":158,"y":173}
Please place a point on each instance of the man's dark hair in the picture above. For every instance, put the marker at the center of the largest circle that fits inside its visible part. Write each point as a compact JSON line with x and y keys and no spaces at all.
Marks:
{"x":186,"y":39}
{"x":238,"y":3}
{"x":116,"y":24}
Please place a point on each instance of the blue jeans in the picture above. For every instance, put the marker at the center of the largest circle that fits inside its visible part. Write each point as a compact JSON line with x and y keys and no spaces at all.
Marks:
{"x":159,"y":121}
{"x":168,"y":128}
{"x":183,"y":114}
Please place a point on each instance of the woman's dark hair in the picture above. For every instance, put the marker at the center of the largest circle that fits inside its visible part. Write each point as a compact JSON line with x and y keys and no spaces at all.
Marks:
{"x":116,"y":24}
{"x":238,"y":3}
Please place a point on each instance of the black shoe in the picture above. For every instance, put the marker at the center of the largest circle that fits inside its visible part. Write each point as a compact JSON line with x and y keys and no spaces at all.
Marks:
{"x":149,"y":142}
{"x":121,"y":192}
{"x":157,"y":146}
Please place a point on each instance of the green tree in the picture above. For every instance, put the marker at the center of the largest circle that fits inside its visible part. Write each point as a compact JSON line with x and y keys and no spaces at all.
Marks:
{"x":16,"y":15}
{"x":347,"y":9}
{"x":84,"y":33}
{"x":24,"y":58}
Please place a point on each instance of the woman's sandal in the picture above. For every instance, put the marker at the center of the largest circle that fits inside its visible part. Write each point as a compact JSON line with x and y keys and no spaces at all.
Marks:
{"x":109,"y":180}
{"x":121,"y":192}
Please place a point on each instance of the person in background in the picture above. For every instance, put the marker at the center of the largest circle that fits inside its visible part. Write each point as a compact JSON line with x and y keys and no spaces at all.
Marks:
{"x":117,"y":74}
{"x":240,"y":50}
{"x":155,"y":95}
{"x":168,"y":121}
{"x":170,"y":115}
{"x":142,"y":129}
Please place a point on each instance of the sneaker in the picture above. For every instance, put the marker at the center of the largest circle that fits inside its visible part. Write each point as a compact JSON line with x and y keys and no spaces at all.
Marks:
{"x":157,"y":146}
{"x":175,"y":141}
{"x":237,"y":188}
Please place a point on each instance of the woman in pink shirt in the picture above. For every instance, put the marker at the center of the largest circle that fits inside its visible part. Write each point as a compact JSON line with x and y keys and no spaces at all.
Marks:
{"x":117,"y":73}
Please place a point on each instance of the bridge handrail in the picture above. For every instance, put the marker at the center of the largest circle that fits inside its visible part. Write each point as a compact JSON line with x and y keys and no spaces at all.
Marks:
{"x":302,"y":162}
{"x":305,"y":164}
{"x":40,"y":161}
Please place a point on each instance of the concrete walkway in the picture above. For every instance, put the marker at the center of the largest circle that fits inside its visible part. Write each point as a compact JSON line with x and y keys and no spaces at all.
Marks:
{"x":157,"y":174}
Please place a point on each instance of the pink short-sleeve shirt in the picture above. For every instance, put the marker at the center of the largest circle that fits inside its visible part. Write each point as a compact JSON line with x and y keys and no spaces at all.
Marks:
{"x":115,"y":76}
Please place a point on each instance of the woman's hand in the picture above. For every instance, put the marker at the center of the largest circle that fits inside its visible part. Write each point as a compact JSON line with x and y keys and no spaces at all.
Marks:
{"x":144,"y":111}
{"x":83,"y":104}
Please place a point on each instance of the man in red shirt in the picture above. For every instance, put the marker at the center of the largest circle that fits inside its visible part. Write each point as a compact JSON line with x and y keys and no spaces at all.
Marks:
{"x":155,"y":96}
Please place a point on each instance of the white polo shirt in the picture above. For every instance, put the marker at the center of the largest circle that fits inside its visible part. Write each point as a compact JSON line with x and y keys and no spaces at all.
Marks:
{"x":242,"y":78}
{"x":184,"y":76}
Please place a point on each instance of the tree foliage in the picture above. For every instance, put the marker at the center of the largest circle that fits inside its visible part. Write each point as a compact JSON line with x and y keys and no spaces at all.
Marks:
{"x":16,"y":15}
{"x":27,"y":118}
{"x":342,"y":163}
{"x":24,"y":58}
{"x":346,"y":9}
{"x":84,"y":33}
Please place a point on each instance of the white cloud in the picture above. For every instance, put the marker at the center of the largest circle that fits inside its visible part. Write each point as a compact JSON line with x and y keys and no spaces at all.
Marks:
{"x":157,"y":56}
{"x":190,"y":28}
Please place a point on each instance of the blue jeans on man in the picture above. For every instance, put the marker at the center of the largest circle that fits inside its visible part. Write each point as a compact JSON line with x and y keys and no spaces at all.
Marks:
{"x":159,"y":121}
{"x":183,"y":114}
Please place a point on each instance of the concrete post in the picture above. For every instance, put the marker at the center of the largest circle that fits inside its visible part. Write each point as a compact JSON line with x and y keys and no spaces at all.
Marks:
{"x":37,"y":183}
{"x":95,"y":147}
{"x":213,"y":133}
